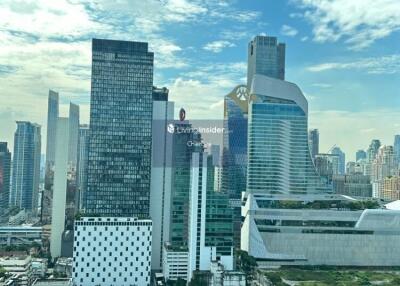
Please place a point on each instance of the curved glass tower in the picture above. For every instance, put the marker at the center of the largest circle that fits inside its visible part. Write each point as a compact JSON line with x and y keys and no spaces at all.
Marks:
{"x":279,"y":160}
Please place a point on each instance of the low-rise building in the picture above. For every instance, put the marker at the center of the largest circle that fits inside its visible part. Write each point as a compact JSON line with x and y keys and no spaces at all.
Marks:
{"x":19,"y":268}
{"x":175,"y":262}
{"x":112,"y":251}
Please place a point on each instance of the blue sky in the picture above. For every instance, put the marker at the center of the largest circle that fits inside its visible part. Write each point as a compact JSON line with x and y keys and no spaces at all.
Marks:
{"x":344,"y":55}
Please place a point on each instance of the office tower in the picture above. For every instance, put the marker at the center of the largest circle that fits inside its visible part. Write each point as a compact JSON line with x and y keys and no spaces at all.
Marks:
{"x":210,"y":219}
{"x":234,"y":153}
{"x":161,"y":173}
{"x":81,"y":171}
{"x":342,"y":159}
{"x":288,"y":218}
{"x":73,"y":135}
{"x":361,"y":155}
{"x":396,"y":147}
{"x":52,"y":115}
{"x":5,"y":176}
{"x":26,"y":166}
{"x":118,"y":251}
{"x":278,"y":140}
{"x":265,"y":57}
{"x":327,"y":165}
{"x":350,"y":168}
{"x":182,"y":154}
{"x":215,"y":153}
{"x":313,"y":142}
{"x":373,"y":150}
{"x":60,"y":186}
{"x":119,"y":162}
{"x":384,"y":164}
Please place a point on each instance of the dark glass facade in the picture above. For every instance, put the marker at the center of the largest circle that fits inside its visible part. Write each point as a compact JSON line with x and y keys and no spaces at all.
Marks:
{"x":119,"y":161}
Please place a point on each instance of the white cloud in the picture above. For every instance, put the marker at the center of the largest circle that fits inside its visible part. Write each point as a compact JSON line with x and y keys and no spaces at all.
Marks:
{"x":359,"y":22}
{"x":304,"y":39}
{"x":379,"y":65}
{"x":218,"y":46}
{"x":289,"y":31}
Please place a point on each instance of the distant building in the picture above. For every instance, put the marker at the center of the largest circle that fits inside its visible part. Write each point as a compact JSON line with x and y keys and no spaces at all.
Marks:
{"x":313,"y":142}
{"x":373,"y":150}
{"x":112,"y":251}
{"x":20,"y":235}
{"x":19,"y":267}
{"x":60,"y":186}
{"x":390,"y":190}
{"x":26,"y":166}
{"x":52,"y":115}
{"x":73,"y":135}
{"x":81,"y":171}
{"x":396,"y":147}
{"x":354,"y":185}
{"x":342,"y":159}
{"x":361,"y":155}
{"x":5,"y":176}
{"x":350,"y":168}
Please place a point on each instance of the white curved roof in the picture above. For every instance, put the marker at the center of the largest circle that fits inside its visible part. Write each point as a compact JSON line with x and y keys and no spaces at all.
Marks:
{"x":267,"y":86}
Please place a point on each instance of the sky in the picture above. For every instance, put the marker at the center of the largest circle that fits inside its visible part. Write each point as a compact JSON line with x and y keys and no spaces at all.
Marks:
{"x":344,"y":55}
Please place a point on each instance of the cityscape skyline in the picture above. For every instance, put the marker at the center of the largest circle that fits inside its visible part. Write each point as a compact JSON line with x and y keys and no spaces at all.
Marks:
{"x":364,"y":68}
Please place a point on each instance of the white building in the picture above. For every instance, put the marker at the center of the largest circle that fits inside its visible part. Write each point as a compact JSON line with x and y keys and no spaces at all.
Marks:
{"x":60,"y":186}
{"x":175,"y":262}
{"x":303,"y":233}
{"x":19,"y":268}
{"x":161,"y":174}
{"x":200,"y":255}
{"x":112,"y":251}
{"x":217,"y":178}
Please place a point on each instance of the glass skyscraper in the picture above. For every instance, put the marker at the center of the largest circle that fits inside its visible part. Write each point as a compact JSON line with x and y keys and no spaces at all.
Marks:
{"x":361,"y":155}
{"x":119,"y":161}
{"x":52,"y":115}
{"x":73,"y":134}
{"x":26,"y":166}
{"x":5,"y":169}
{"x":266,"y":57}
{"x":313,"y":141}
{"x":342,"y":160}
{"x":279,"y":160}
{"x":81,"y":171}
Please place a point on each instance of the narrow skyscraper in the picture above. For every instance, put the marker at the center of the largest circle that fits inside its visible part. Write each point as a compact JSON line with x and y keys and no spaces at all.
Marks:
{"x":361,"y":155}
{"x":313,"y":142}
{"x":342,"y":160}
{"x":5,"y":175}
{"x":26,"y":166}
{"x":396,"y":147}
{"x":52,"y":115}
{"x":73,"y":134}
{"x":81,"y":171}
{"x":119,"y":162}
{"x":265,"y":57}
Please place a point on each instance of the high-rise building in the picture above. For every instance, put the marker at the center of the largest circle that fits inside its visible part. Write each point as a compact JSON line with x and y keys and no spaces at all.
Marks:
{"x":161,"y":174}
{"x":119,"y":162}
{"x":313,"y":142}
{"x":353,"y":185}
{"x":265,"y":57}
{"x":384,"y":164}
{"x":81,"y":171}
{"x":5,"y":176}
{"x":52,"y":115}
{"x":280,"y":160}
{"x":26,"y":166}
{"x":342,"y":159}
{"x":210,"y":219}
{"x":396,"y":147}
{"x":59,"y":186}
{"x":181,"y":162}
{"x":73,"y":135}
{"x":289,"y":219}
{"x":361,"y":155}
{"x":373,"y":150}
